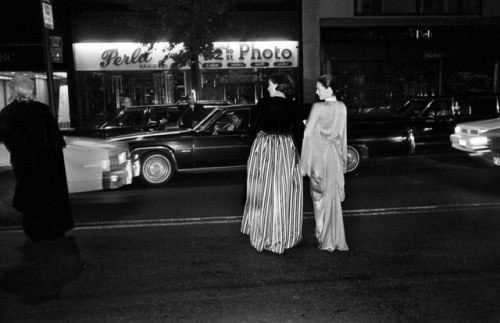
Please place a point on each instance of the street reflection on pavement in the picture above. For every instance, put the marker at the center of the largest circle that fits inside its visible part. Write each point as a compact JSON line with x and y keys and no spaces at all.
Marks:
{"x":45,"y":268}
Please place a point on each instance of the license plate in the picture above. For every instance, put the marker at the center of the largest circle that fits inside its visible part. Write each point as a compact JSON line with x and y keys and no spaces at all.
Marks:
{"x":462,"y":142}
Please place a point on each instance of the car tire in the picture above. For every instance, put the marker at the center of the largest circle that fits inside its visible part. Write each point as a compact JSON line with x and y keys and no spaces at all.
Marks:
{"x":353,"y":159}
{"x":156,"y":169}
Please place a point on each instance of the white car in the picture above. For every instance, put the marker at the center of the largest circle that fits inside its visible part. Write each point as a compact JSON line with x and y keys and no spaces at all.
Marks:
{"x":91,"y":164}
{"x":479,"y":138}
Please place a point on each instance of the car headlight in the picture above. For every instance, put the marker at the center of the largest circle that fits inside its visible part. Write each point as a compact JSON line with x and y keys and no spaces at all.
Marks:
{"x":479,"y":141}
{"x":122,"y":158}
{"x":458,"y":129}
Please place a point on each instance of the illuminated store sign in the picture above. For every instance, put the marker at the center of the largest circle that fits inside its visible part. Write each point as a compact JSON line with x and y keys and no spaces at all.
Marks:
{"x":252,"y":55}
{"x":135,"y":56}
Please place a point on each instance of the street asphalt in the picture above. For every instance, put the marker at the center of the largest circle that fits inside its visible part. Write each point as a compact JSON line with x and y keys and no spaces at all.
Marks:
{"x":439,"y":265}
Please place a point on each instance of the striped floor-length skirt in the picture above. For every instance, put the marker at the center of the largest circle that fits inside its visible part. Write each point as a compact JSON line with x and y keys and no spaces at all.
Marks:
{"x":274,"y":204}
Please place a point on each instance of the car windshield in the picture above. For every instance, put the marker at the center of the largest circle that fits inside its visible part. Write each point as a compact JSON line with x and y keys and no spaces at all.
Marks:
{"x":206,"y":120}
{"x":413,"y":108}
{"x":128,"y":117}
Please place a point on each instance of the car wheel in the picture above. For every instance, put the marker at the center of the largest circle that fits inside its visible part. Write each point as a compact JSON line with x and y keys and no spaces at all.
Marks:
{"x":353,"y":159}
{"x":156,"y":169}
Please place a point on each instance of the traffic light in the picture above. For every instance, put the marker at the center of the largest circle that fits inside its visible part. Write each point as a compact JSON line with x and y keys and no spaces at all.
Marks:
{"x":56,"y":50}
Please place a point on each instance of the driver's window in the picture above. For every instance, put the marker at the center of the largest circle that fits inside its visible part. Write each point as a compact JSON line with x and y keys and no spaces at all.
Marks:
{"x":221,"y":123}
{"x":163,"y":119}
{"x":440,"y":108}
{"x":134,"y":118}
{"x":231,"y":121}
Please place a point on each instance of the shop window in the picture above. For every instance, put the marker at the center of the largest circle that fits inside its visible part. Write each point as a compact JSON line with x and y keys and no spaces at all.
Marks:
{"x":453,"y":7}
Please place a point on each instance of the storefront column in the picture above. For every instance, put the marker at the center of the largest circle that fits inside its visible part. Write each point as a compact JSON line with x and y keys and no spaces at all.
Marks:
{"x":496,"y":86}
{"x":312,"y":13}
{"x":310,"y":49}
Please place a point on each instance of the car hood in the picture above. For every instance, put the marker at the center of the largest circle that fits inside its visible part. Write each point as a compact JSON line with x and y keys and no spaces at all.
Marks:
{"x":488,"y":124}
{"x":99,"y":143}
{"x":151,"y":134}
{"x":85,"y":132}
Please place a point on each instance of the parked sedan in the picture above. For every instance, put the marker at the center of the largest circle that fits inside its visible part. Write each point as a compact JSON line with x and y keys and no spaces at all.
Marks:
{"x":432,"y":119}
{"x":210,"y":146}
{"x":143,"y":118}
{"x":479,"y":138}
{"x":91,"y":164}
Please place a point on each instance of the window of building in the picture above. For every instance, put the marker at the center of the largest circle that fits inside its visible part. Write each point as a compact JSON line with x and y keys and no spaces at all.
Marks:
{"x":417,"y":7}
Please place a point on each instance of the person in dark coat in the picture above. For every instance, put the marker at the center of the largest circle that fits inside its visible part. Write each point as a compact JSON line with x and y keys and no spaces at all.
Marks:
{"x":30,"y":133}
{"x":192,"y":113}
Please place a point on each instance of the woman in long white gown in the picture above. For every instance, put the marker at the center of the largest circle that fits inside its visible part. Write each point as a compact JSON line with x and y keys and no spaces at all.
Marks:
{"x":324,"y":157}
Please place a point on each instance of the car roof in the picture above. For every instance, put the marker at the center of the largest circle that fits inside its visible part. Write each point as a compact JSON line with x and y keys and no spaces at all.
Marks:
{"x":169,"y":105}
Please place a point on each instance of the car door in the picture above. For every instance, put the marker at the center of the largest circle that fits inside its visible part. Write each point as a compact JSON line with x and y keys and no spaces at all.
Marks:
{"x":214,"y":146}
{"x":435,"y":123}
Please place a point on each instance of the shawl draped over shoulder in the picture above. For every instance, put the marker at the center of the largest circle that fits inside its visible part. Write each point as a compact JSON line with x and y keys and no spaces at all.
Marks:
{"x":324,"y":148}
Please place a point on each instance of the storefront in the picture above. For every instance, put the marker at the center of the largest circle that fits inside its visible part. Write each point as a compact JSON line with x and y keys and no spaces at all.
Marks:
{"x":385,"y":51}
{"x":379,"y":66}
{"x":236,"y":72}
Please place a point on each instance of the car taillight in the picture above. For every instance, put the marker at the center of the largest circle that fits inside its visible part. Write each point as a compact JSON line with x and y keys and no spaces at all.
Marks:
{"x":106,"y":165}
{"x":122,"y":158}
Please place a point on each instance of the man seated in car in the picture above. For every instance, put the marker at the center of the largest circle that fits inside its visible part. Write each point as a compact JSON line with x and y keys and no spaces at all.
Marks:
{"x":443,"y":110}
{"x":235,"y":124}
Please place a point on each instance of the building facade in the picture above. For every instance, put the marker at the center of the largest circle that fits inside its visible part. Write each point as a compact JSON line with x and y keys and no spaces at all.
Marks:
{"x":386,"y":51}
{"x":103,"y":60}
{"x":111,"y":63}
{"x":381,"y":51}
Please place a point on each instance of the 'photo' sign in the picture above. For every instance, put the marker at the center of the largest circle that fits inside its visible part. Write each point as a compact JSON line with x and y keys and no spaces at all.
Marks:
{"x":259,"y":54}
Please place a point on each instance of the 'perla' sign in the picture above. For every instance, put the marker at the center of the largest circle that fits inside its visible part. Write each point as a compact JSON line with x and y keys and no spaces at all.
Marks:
{"x":134,"y":56}
{"x":121,"y":56}
{"x":113,"y":57}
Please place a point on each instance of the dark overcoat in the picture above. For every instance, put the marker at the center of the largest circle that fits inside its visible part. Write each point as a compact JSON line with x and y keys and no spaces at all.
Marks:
{"x":35,"y":143}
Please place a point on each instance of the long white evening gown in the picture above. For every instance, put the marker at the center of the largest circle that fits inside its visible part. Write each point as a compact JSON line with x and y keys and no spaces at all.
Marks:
{"x":323,"y":159}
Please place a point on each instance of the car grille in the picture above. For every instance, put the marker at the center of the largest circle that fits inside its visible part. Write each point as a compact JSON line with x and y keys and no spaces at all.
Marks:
{"x":470,"y":131}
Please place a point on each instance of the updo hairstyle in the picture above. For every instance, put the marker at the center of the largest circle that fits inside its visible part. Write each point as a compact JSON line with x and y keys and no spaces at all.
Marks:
{"x":328,"y":81}
{"x":284,"y":82}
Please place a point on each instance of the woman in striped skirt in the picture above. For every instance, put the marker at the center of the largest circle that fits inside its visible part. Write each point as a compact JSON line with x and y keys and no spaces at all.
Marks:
{"x":273,"y":209}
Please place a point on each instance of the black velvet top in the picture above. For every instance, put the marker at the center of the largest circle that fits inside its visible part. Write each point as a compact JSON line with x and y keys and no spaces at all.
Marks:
{"x":279,"y":115}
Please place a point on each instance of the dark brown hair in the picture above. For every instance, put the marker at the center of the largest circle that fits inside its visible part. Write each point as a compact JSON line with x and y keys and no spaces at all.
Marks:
{"x":285,"y":83}
{"x":328,"y":81}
